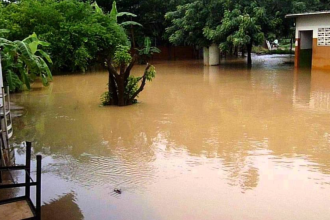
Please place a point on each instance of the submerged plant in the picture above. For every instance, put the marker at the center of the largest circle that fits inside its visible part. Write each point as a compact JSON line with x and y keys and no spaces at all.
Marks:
{"x":123,"y":89}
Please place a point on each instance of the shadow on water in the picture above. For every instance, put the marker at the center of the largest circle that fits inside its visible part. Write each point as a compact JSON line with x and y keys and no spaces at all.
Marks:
{"x":62,"y":208}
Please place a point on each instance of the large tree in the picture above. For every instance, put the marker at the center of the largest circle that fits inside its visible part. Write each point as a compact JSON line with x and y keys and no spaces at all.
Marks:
{"x":123,"y":88}
{"x":237,"y":29}
{"x":188,"y":21}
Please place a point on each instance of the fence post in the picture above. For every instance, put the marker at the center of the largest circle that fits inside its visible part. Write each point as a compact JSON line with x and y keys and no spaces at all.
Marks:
{"x":27,"y":169}
{"x":38,"y":189}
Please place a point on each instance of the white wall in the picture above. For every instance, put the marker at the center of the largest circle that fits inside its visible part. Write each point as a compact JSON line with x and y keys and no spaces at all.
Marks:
{"x":206,"y":56}
{"x":312,"y":23}
{"x":214,"y":55}
{"x":306,"y":40}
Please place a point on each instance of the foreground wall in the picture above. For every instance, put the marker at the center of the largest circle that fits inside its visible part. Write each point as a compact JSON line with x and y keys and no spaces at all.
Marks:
{"x":320,"y":25}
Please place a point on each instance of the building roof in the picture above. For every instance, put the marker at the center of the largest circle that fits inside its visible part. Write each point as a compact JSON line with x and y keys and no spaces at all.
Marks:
{"x":306,"y":14}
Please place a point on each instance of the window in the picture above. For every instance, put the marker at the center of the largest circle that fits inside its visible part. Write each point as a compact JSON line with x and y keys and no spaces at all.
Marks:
{"x":323,"y":37}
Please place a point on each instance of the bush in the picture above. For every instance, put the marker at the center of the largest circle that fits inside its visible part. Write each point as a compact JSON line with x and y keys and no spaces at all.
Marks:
{"x":78,"y":36}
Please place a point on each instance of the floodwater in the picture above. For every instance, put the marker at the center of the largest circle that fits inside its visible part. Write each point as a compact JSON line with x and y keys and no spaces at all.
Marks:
{"x":214,"y":143}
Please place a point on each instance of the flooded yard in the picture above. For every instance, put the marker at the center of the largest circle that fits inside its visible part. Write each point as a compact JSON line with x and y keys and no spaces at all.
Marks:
{"x":213,"y":143}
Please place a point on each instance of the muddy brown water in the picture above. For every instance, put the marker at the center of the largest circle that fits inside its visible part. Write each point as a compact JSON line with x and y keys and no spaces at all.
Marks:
{"x":221,"y":142}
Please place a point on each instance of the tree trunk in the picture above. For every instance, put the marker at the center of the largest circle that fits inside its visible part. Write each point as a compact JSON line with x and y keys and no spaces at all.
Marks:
{"x":121,"y":91}
{"x":249,"y":51}
{"x":236,"y":51}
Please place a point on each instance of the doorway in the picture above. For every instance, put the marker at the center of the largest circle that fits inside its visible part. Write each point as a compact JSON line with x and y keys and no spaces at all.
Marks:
{"x":306,"y":49}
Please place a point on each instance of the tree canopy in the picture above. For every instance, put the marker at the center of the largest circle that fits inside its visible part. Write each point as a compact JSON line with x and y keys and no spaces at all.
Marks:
{"x":78,"y":35}
{"x":191,"y":22}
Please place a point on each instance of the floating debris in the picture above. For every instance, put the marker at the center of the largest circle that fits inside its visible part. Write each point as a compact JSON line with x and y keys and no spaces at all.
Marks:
{"x":118,"y":191}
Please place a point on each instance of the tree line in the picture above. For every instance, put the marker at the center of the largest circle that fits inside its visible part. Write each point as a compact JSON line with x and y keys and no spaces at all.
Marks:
{"x":79,"y":37}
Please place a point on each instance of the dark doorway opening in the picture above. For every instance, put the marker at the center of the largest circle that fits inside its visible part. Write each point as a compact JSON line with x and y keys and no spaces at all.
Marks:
{"x":306,"y":49}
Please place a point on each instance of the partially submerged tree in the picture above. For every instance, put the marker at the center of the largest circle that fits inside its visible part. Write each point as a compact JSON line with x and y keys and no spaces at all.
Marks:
{"x":123,"y":89}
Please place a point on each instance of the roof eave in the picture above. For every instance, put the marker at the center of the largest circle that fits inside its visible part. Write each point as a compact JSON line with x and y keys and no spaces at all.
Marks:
{"x":307,"y":14}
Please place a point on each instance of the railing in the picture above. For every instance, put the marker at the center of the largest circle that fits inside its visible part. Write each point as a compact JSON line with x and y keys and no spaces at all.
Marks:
{"x":36,"y":209}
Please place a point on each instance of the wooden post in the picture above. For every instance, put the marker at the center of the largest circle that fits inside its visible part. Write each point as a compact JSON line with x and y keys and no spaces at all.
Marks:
{"x":38,"y":194}
{"x":28,"y":169}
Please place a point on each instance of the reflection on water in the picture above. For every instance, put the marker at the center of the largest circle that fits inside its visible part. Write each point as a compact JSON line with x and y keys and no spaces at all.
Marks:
{"x":203,"y":143}
{"x":64,"y":207}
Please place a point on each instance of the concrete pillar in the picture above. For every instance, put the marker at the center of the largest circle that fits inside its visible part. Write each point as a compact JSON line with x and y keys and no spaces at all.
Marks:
{"x":214,"y":55}
{"x":206,"y":56}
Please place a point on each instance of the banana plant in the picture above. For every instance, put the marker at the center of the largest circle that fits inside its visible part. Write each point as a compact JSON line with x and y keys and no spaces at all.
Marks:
{"x":147,"y":48}
{"x":147,"y":51}
{"x":114,"y":14}
{"x":23,"y":61}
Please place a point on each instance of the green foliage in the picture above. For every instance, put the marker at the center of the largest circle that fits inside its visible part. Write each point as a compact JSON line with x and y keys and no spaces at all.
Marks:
{"x":114,"y":14}
{"x":187,"y":24}
{"x":12,"y":80}
{"x":23,"y":61}
{"x":80,"y":34}
{"x":122,"y":56}
{"x":105,"y":98}
{"x":191,"y":22}
{"x":151,"y":73}
{"x":129,"y":23}
{"x":147,"y":48}
{"x":146,"y":52}
{"x":150,"y":13}
{"x":132,"y":86}
{"x":237,"y":29}
{"x":133,"y":82}
{"x":123,"y":89}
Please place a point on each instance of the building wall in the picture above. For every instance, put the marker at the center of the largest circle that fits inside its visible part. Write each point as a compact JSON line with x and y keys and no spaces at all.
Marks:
{"x":312,"y":23}
{"x":320,"y":54}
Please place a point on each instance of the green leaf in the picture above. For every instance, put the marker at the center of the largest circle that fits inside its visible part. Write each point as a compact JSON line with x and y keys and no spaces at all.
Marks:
{"x":44,"y":80}
{"x":147,"y":44}
{"x":25,"y":77}
{"x":114,"y":12}
{"x":126,"y":13}
{"x":4,"y":31}
{"x":97,"y":8}
{"x":33,"y":47}
{"x":45,"y":55}
{"x":45,"y":68}
{"x":125,"y":23}
{"x":13,"y":80}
